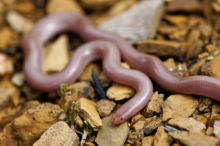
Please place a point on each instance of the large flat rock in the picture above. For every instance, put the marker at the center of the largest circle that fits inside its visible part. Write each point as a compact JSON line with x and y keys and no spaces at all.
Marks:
{"x":137,"y":23}
{"x":58,"y":134}
{"x":112,"y":135}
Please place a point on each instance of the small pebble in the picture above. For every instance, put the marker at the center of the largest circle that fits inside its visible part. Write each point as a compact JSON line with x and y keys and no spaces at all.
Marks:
{"x":174,"y":106}
{"x":18,"y":79}
{"x":59,"y":134}
{"x":105,"y":107}
{"x":87,"y":110}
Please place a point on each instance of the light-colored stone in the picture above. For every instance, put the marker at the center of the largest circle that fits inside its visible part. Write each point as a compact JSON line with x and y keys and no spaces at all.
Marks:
{"x":18,"y":22}
{"x":155,"y":105}
{"x":115,"y":10}
{"x":166,"y":29}
{"x":56,"y":6}
{"x":79,"y":121}
{"x":161,"y":48}
{"x":216,"y":6}
{"x":27,"y":128}
{"x":59,"y":134}
{"x":189,"y":124}
{"x":120,"y":7}
{"x":170,"y":64}
{"x":194,"y":138}
{"x":105,"y":81}
{"x":152,"y":125}
{"x":125,"y":65}
{"x":18,"y":79}
{"x":136,"y":134}
{"x":178,"y":35}
{"x":56,"y":55}
{"x":87,"y":143}
{"x":202,"y":118}
{"x":204,"y":104}
{"x":179,"y":106}
{"x":6,"y":65}
{"x":196,"y":68}
{"x":148,"y":141}
{"x":135,"y":137}
{"x":177,"y":20}
{"x":77,"y":90}
{"x":210,"y":131}
{"x":139,"y":125}
{"x":105,"y":107}
{"x":87,"y":73}
{"x":194,"y":45}
{"x":161,"y":137}
{"x":112,"y":135}
{"x":119,"y":92}
{"x":26,"y":7}
{"x":135,"y":25}
{"x":10,"y":112}
{"x":8,"y":2}
{"x":87,"y":110}
{"x":136,"y":118}
{"x":203,"y":55}
{"x":2,"y":8}
{"x":212,"y":68}
{"x":181,"y":5}
{"x":215,"y":114}
{"x":216,"y":127}
{"x":82,"y":89}
{"x":8,"y":94}
{"x":210,"y":48}
{"x":8,"y":37}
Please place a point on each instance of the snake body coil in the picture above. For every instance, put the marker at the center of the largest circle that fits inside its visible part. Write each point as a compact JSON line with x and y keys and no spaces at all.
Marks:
{"x":106,"y":46}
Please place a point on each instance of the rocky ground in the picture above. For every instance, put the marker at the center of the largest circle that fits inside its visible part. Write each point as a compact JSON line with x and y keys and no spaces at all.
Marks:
{"x":187,"y":39}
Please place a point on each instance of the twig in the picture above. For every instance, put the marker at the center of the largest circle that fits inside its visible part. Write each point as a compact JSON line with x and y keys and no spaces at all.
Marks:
{"x":84,"y":136}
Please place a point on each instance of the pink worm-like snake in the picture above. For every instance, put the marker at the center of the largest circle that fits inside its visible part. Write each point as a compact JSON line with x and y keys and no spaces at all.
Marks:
{"x":106,"y":46}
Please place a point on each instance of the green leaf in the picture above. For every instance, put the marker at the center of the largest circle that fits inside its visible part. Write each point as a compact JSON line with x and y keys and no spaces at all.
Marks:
{"x":210,"y":58}
{"x":63,"y":88}
{"x":88,"y":127}
{"x":216,"y":52}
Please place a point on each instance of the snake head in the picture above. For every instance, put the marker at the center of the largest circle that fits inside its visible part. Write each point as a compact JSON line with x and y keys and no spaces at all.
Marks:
{"x":118,"y":119}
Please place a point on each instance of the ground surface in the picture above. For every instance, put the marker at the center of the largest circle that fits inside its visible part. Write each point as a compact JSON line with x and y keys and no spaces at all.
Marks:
{"x":187,"y":39}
